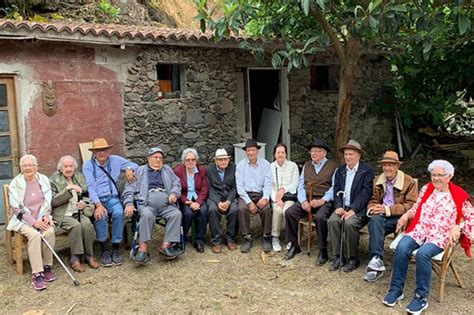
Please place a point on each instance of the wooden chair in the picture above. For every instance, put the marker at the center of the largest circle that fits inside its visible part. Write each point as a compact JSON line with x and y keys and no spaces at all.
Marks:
{"x":15,"y":241}
{"x":441,"y":263}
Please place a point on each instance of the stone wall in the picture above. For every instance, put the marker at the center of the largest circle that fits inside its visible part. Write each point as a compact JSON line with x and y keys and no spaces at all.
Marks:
{"x":204,"y":117}
{"x":314,"y":113}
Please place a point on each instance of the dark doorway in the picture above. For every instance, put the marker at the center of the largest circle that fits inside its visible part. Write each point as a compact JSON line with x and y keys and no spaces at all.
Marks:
{"x":264,"y":91}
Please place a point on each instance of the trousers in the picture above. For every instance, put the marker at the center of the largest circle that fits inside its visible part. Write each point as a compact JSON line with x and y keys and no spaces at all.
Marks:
{"x":38,"y":252}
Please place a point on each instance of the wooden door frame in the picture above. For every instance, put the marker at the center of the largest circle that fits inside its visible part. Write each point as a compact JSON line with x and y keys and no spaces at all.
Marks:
{"x":9,"y":81}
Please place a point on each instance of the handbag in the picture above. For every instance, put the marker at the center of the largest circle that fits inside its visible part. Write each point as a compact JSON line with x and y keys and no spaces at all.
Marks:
{"x":286,"y":196}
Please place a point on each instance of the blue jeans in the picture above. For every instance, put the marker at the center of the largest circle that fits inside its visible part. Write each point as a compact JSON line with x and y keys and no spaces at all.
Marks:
{"x":423,"y":265}
{"x":379,"y":226}
{"x":200,"y":222}
{"x":114,"y":209}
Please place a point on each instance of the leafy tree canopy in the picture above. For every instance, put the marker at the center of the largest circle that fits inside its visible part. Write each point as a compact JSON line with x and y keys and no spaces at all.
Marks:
{"x":349,"y":27}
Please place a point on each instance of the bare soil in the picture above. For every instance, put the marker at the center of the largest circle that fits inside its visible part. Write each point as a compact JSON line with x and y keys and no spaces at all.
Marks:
{"x":230,"y":282}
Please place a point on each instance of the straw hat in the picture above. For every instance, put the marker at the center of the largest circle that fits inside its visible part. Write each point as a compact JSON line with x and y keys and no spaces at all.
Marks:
{"x":99,"y":144}
{"x":221,"y":154}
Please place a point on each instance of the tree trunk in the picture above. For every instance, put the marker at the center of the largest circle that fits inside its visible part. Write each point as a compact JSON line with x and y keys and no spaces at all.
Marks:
{"x":347,"y":72}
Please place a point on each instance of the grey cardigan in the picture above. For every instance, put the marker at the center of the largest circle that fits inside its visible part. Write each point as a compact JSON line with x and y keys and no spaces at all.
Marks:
{"x":139,"y":188}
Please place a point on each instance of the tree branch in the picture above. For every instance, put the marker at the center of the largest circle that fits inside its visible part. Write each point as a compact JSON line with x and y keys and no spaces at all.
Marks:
{"x":336,"y":44}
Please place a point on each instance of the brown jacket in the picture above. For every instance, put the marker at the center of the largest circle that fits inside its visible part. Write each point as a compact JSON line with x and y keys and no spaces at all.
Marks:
{"x":405,"y":193}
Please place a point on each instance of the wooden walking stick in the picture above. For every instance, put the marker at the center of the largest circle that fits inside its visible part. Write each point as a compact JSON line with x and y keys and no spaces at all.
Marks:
{"x":309,"y":196}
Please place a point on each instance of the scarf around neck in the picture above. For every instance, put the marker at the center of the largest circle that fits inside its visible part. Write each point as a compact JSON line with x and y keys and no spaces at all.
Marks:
{"x":459,"y":197}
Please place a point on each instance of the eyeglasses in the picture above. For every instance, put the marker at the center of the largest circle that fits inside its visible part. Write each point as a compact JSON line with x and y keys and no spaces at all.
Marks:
{"x":316,"y":151}
{"x":158,"y":158}
{"x":438,"y":175}
{"x":190,"y":160}
{"x":28,"y":165}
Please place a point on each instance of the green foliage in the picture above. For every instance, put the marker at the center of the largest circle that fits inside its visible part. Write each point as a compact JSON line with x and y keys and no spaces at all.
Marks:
{"x":374,"y":23}
{"x":106,"y":12}
{"x":434,"y":92}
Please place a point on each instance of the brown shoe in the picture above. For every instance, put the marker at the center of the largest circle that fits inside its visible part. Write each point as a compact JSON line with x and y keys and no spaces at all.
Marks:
{"x":216,"y":249}
{"x":77,"y":266}
{"x":93,"y":263}
{"x":231,"y":245}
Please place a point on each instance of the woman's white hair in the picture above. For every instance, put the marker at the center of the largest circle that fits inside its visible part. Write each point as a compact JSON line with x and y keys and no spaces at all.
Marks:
{"x":445,"y":165}
{"x":30,"y":157}
{"x":187,"y":151}
{"x":66,"y":157}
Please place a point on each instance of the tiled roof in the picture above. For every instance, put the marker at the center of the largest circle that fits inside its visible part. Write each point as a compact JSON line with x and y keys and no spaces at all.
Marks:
{"x":112,"y":34}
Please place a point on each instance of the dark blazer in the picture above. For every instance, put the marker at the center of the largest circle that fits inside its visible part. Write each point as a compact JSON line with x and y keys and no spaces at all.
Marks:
{"x":361,"y":189}
{"x":200,"y":184}
{"x":221,"y":189}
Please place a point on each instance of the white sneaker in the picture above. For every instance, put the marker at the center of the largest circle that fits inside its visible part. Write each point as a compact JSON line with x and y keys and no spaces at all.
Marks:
{"x":376,"y":264}
{"x":276,"y":244}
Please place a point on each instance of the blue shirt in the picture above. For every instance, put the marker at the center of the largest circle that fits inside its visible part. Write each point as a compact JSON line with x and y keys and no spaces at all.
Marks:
{"x":253,"y":178}
{"x":301,"y":189}
{"x":155,"y":179}
{"x":191,"y":188}
{"x":350,"y":174}
{"x":221,"y":173}
{"x":99,"y":184}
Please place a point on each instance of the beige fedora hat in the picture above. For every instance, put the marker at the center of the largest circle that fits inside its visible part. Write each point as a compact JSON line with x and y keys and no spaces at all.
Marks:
{"x":100,"y":144}
{"x":390,"y":157}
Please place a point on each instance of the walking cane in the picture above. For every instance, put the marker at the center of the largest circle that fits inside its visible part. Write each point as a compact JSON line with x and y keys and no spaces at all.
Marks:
{"x":74,"y":280}
{"x":79,"y":211}
{"x":341,"y":239}
{"x":309,"y":194}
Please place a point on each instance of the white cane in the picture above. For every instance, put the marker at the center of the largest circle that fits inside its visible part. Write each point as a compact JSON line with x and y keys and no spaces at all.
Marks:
{"x":76,"y":282}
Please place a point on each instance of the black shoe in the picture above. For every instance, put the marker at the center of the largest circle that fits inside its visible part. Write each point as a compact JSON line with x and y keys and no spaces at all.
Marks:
{"x":246,"y":246}
{"x":322,"y":258}
{"x":117,"y":259}
{"x":106,"y":259}
{"x":294,"y":249}
{"x":337,"y":262}
{"x":351,"y":265}
{"x":177,"y":249}
{"x":168,"y":253}
{"x":199,"y":247}
{"x":267,"y":244}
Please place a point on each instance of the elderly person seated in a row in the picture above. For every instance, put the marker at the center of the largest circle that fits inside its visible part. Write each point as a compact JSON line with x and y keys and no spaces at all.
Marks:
{"x":442,"y":214}
{"x":393,"y":194}
{"x":157,"y":190}
{"x":30,"y":203}
{"x":72,"y":210}
{"x":192,"y":200}
{"x":254,"y":183}
{"x":222,"y":201}
{"x":283,"y":195}
{"x":102,"y":174}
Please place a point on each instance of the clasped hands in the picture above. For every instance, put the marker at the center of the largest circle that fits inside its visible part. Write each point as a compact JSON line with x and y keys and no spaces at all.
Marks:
{"x":261,"y":203}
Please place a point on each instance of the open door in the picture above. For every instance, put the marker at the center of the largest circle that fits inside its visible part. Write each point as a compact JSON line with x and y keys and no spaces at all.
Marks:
{"x":268,"y":107}
{"x":9,"y":153}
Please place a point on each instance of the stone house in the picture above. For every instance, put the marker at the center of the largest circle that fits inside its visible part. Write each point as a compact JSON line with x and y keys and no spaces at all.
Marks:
{"x":63,"y":84}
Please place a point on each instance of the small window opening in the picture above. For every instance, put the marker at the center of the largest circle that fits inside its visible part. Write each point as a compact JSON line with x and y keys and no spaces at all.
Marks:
{"x":169,"y":79}
{"x":324,"y":77}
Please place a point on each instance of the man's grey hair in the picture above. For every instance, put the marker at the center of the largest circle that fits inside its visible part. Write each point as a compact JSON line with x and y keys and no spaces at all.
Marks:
{"x":189,"y":150}
{"x":64,"y":158}
{"x":445,"y":165}
{"x":30,"y":157}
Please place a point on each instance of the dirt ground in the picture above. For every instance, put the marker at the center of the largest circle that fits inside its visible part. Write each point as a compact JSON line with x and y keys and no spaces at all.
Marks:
{"x":230,"y":282}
